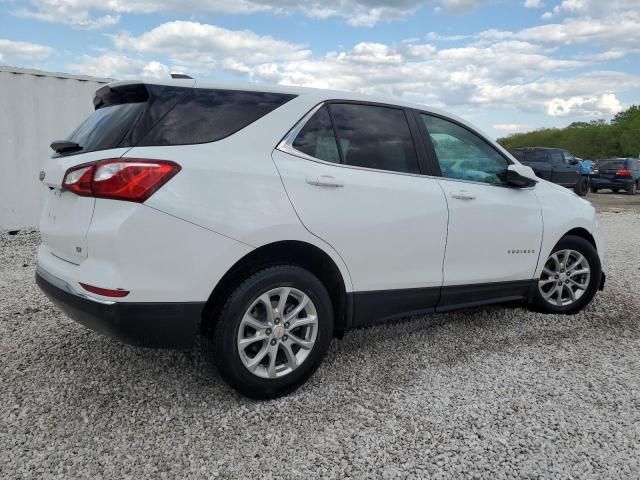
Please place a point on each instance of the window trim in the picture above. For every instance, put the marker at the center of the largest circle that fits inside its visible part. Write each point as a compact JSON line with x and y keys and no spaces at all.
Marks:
{"x":286,"y":144}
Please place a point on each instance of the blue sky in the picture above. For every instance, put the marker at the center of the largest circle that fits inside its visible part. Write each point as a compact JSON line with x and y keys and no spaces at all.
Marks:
{"x":505,"y":65}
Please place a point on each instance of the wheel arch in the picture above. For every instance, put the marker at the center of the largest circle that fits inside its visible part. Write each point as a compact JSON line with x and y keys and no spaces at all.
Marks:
{"x":292,"y":252}
{"x":582,"y":233}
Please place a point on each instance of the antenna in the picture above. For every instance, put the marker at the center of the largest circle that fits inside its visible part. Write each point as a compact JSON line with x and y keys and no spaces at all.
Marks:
{"x":181,"y":75}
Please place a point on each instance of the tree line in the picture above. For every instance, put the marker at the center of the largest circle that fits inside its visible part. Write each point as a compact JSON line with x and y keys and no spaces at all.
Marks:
{"x":589,"y":140}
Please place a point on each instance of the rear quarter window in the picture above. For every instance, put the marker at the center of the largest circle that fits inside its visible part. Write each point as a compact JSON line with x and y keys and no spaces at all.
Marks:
{"x":204,"y":115}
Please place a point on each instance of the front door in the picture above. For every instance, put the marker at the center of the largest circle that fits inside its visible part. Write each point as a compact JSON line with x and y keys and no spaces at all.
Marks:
{"x":495,"y":231}
{"x":563,"y":172}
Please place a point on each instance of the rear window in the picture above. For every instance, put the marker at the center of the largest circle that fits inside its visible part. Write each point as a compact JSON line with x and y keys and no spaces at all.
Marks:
{"x":535,"y":156}
{"x":153,"y":115}
{"x":611,"y":164}
{"x":117,"y":111}
{"x":205,"y":115}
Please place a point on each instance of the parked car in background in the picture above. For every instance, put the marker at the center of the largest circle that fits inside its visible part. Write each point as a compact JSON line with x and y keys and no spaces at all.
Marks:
{"x":269,"y":219}
{"x":555,"y":165}
{"x":617,"y":174}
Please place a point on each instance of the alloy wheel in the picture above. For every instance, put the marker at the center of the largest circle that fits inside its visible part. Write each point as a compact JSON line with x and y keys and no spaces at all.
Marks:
{"x":277,"y":332}
{"x":565,"y":277}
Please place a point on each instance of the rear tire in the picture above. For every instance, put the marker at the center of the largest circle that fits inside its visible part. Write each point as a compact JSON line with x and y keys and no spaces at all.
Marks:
{"x":594,"y":190}
{"x":572,"y":265}
{"x":633,"y":189}
{"x":283,"y":356}
{"x":581,"y":187}
{"x":615,"y":190}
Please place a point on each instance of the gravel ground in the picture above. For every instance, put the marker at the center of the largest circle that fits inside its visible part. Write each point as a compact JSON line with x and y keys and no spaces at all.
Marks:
{"x":488,"y":393}
{"x":607,"y":201}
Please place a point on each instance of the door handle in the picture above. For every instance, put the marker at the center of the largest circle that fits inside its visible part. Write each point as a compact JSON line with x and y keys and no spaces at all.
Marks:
{"x":325,"y":181}
{"x":463,"y":195}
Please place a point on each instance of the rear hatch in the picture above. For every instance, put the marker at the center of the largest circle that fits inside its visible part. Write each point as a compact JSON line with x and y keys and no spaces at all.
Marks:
{"x":106,"y":133}
{"x":610,"y":169}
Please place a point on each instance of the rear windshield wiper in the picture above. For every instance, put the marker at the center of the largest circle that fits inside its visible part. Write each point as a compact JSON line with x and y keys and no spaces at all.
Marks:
{"x":63,"y":146}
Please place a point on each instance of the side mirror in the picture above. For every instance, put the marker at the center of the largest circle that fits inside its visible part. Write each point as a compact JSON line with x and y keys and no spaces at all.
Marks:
{"x":521,"y":176}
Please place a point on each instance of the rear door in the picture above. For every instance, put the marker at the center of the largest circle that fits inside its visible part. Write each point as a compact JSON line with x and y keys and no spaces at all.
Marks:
{"x":364,"y":194}
{"x":66,"y":217}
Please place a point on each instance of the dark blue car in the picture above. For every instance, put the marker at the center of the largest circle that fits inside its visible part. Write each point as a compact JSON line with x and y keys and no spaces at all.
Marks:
{"x":617,"y":174}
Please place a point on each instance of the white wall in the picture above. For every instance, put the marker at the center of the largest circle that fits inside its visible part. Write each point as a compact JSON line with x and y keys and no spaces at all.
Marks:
{"x":35,"y":108}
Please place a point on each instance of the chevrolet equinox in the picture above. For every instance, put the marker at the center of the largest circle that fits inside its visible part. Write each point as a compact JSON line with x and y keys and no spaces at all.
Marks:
{"x":268,"y":220}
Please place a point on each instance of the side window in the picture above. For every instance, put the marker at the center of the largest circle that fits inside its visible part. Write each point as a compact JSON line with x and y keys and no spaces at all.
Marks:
{"x":464,"y":155}
{"x":556,"y":157}
{"x":317,"y":138}
{"x":375,"y":137}
{"x":568,"y":157}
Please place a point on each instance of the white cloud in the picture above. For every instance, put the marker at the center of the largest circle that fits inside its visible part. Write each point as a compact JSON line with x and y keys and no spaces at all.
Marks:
{"x":498,"y":69}
{"x":101,"y":13}
{"x":69,"y":12}
{"x":592,"y":8}
{"x":495,"y":69}
{"x":617,"y":29}
{"x":533,"y":3}
{"x":461,"y":6}
{"x":510,"y":127}
{"x":121,"y":67}
{"x":449,"y":77}
{"x":208,"y":46}
{"x":24,"y":51}
{"x":593,"y":106}
{"x":445,"y":38}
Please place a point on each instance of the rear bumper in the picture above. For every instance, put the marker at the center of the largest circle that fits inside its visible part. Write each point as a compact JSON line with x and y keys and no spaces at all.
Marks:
{"x":158,"y":325}
{"x":611,"y":183}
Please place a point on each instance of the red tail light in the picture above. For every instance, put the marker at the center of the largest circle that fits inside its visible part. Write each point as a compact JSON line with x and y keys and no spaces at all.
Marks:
{"x":105,"y":292}
{"x":129,"y":179}
{"x":624,"y":172}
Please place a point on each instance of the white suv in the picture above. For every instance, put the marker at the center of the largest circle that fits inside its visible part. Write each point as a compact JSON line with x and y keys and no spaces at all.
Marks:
{"x":268,"y":220}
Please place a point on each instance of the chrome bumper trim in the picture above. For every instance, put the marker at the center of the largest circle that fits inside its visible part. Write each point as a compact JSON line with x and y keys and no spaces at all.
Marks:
{"x":63,"y":285}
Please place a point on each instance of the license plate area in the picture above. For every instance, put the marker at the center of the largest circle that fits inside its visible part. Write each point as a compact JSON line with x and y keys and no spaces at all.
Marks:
{"x":64,"y":224}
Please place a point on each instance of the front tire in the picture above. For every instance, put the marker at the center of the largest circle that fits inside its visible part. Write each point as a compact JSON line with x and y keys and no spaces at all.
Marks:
{"x":273,"y":332}
{"x":570,"y":277}
{"x":633,"y":189}
{"x":594,"y":190}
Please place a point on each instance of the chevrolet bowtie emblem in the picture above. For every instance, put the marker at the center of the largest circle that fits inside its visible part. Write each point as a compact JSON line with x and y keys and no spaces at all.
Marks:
{"x":42,"y":175}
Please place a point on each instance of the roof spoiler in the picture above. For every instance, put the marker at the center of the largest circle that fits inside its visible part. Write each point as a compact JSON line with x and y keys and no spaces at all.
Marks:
{"x":118,"y":94}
